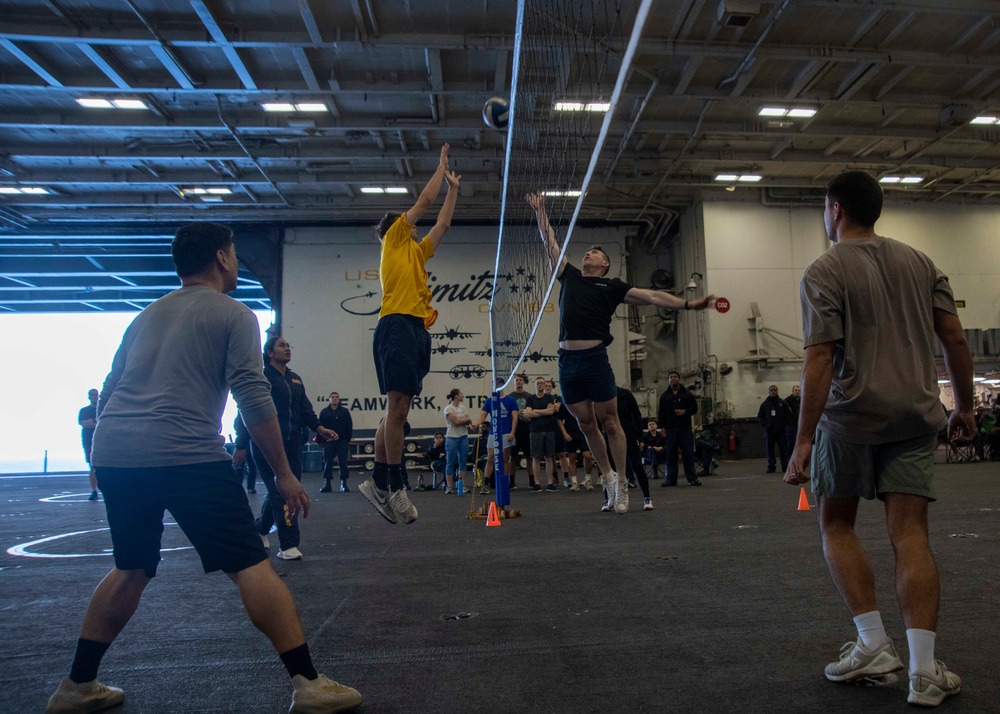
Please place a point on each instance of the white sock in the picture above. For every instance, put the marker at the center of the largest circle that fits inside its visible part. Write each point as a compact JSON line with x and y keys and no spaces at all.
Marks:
{"x":871,"y":630}
{"x":921,"y":644}
{"x":574,"y":480}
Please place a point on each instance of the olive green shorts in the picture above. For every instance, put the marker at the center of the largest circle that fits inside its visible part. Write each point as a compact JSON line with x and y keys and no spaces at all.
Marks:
{"x":844,"y":470}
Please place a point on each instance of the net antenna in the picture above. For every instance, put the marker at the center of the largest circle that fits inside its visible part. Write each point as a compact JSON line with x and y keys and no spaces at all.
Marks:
{"x":562,"y":84}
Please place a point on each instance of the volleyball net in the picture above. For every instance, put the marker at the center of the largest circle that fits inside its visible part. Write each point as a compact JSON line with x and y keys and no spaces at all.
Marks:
{"x":571,"y":63}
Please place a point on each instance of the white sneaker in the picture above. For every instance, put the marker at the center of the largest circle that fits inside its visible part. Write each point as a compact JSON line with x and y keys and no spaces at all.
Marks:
{"x":378,"y":498}
{"x":400,"y":504}
{"x":856,"y":662}
{"x":588,"y":485}
{"x":322,"y":696}
{"x":92,"y":696}
{"x":290,"y":554}
{"x":932,"y":689}
{"x":608,"y":506}
{"x":600,"y":480}
{"x":647,"y":504}
{"x":620,"y":494}
{"x":266,"y":542}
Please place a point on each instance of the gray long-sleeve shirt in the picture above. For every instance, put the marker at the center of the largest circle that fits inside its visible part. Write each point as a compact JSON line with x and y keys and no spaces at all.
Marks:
{"x":162,"y":402}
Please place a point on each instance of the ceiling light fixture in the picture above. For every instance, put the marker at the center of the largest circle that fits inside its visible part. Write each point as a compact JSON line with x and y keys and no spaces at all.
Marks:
{"x":792,"y":113}
{"x":129,"y":103}
{"x":278,"y":107}
{"x":311,"y":107}
{"x":901,"y":179}
{"x":372,"y":189}
{"x":11,"y":190}
{"x":985,"y":120}
{"x":211,"y":199}
{"x":582,"y":106}
{"x":741,"y":178}
{"x":562,"y":194}
{"x":94,"y":103}
{"x":397,"y":189}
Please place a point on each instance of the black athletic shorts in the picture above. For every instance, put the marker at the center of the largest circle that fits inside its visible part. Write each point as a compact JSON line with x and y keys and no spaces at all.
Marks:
{"x":206,"y":500}
{"x":402,"y":352}
{"x":586,"y":375}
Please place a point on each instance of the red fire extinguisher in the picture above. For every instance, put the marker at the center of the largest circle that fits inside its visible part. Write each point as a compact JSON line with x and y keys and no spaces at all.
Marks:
{"x":732,"y":439}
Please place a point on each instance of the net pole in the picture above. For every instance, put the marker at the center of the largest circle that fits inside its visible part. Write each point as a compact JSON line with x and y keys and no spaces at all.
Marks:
{"x":502,"y":481}
{"x":640,"y":22}
{"x":512,"y":111}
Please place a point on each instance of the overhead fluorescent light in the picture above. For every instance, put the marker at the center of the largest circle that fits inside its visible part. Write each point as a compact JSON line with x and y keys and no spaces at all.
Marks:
{"x":397,"y":189}
{"x":94,"y":103}
{"x":912,"y":179}
{"x":221,"y":191}
{"x":562,"y":194}
{"x":727,"y":177}
{"x":772,"y":112}
{"x":749,"y":178}
{"x":991,"y":382}
{"x":312,"y":107}
{"x":129,"y":103}
{"x":9,"y":190}
{"x":195,"y":191}
{"x":890,"y":179}
{"x":372,"y":189}
{"x":802,"y":113}
{"x":985,"y":120}
{"x":598,"y":107}
{"x":979,"y":379}
{"x":34,"y":189}
{"x":569,"y":106}
{"x":278,"y":107}
{"x":211,"y":199}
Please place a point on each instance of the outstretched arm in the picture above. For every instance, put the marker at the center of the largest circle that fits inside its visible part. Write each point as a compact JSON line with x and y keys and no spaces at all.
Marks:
{"x":431,"y":190}
{"x":537,"y":202}
{"x":659,"y":298}
{"x":447,"y":210}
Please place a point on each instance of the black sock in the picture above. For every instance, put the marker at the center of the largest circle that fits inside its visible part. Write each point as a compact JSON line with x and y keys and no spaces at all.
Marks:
{"x":380,"y":474}
{"x":87,"y":660}
{"x":395,"y":477}
{"x":299,"y":661}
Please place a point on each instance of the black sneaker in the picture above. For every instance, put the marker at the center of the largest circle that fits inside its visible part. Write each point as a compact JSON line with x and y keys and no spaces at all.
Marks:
{"x":551,"y":487}
{"x":327,"y":488}
{"x":535,"y":488}
{"x":696,"y":482}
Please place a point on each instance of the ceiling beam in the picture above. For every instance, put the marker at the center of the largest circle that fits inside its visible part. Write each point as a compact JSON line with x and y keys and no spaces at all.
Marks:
{"x":101,"y":57}
{"x":231,"y":52}
{"x":32,"y":61}
{"x":305,"y":68}
{"x":309,"y":20}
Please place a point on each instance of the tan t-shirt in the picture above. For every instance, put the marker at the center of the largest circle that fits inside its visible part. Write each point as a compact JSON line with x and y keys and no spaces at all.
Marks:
{"x":876,"y":298}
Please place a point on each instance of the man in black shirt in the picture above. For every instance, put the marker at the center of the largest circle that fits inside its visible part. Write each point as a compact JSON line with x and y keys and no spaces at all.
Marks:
{"x":586,"y":305}
{"x":794,"y":402}
{"x":522,"y":435}
{"x":677,"y":406}
{"x":652,"y":443}
{"x":337,"y":419}
{"x":87,"y":419}
{"x":540,"y":410}
{"x":294,"y":412}
{"x":774,"y":415}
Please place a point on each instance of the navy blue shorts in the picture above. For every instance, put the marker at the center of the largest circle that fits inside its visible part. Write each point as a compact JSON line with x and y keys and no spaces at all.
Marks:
{"x":586,"y":374}
{"x":206,"y":500}
{"x":402,"y":352}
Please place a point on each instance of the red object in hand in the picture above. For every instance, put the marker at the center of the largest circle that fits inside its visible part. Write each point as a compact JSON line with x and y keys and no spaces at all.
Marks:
{"x":732,"y":439}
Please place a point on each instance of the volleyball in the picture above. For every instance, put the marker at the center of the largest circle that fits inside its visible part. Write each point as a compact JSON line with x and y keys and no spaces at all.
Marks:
{"x":495,"y":113}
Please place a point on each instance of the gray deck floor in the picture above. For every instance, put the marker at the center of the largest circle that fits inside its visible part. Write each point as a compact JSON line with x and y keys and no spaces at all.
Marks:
{"x":718,"y":600}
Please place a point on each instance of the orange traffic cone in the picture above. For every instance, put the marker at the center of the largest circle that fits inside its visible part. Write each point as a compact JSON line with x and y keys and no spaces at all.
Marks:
{"x":494,"y":518}
{"x":803,"y":501}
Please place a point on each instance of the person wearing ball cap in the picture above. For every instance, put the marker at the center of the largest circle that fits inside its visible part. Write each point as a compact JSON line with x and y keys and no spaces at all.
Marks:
{"x":586,"y":305}
{"x":402,"y":345}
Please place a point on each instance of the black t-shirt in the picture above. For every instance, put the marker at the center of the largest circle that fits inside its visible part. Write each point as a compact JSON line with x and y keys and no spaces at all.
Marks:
{"x":586,"y":305}
{"x":523,"y":426}
{"x":569,"y":421}
{"x":541,"y":423}
{"x":86,"y":413}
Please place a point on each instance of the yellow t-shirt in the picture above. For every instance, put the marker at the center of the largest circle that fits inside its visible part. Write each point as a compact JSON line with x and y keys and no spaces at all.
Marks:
{"x":403,"y":275}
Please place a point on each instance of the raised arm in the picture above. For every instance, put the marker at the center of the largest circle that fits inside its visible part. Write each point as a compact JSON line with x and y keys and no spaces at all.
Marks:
{"x":659,"y":298}
{"x":537,"y":202}
{"x":447,"y":210}
{"x":431,"y":190}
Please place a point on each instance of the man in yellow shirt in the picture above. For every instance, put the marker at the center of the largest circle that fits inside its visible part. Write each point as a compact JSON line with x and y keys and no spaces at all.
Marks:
{"x":402,"y":345}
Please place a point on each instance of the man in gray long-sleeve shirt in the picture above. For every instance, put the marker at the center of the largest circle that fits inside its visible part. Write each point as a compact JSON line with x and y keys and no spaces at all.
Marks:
{"x":157,"y":447}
